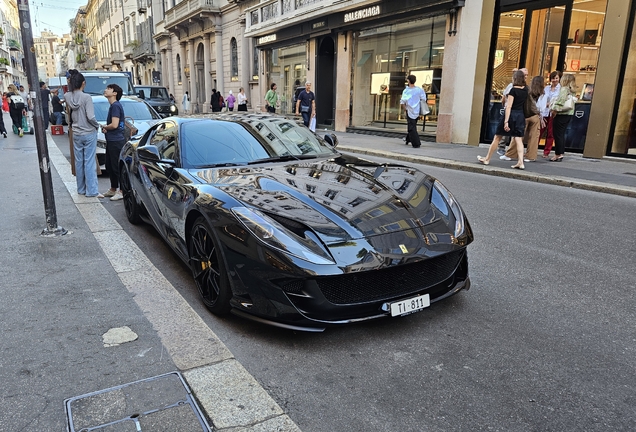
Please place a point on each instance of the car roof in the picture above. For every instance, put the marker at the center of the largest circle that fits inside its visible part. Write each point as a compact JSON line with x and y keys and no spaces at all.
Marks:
{"x":234,"y":117}
{"x":104,"y":73}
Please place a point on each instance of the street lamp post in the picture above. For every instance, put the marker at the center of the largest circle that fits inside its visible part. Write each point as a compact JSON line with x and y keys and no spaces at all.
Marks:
{"x":52,"y":229}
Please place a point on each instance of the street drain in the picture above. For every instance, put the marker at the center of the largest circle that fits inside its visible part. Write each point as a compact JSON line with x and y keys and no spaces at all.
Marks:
{"x":161,"y":403}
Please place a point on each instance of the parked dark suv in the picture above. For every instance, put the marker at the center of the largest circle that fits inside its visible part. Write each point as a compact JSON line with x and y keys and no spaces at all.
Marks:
{"x":159,"y":99}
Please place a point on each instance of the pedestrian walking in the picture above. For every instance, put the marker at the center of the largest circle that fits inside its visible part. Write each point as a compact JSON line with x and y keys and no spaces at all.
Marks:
{"x":531,"y":134}
{"x":513,"y":123}
{"x":113,"y":130}
{"x":172,"y":98}
{"x":45,"y":95}
{"x":412,"y":99}
{"x":185,"y":103}
{"x":26,"y":97}
{"x":306,"y":104}
{"x":562,"y":111}
{"x":17,"y":108}
{"x":58,"y":108}
{"x":241,"y":100}
{"x":271,"y":99}
{"x":231,"y":100}
{"x":215,"y":103}
{"x":84,"y":127}
{"x":550,"y":94}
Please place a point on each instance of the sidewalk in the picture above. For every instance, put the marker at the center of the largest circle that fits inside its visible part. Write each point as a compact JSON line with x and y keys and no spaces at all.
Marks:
{"x":63,"y":296}
{"x":608,"y":175}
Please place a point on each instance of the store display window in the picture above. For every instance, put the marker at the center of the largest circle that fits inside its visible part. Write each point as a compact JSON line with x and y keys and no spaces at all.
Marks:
{"x":384,"y":57}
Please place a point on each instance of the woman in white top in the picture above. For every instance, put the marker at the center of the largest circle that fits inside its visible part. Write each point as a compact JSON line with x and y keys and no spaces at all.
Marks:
{"x":549,"y":94}
{"x":241,"y":100}
{"x":185,"y":103}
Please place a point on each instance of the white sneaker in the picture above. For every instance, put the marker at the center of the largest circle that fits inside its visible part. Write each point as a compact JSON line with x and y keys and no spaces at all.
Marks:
{"x":504,"y":157}
{"x":118,"y":196}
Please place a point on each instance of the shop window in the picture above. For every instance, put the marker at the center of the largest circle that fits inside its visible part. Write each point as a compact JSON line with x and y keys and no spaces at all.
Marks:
{"x":287,"y":68}
{"x":384,"y":57}
{"x":234,"y":59}
{"x":179,"y":69}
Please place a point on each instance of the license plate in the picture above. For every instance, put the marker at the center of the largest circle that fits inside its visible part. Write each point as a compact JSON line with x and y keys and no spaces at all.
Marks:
{"x":410,"y":306}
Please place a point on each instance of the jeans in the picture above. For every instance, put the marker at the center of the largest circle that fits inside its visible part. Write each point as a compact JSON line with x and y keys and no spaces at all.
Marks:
{"x":45,"y":116}
{"x":306,"y":118}
{"x":113,"y":149}
{"x":85,"y":148}
{"x":58,"y":117}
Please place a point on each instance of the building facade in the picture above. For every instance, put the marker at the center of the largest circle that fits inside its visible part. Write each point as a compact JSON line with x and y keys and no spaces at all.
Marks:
{"x":11,"y":54}
{"x":357,"y":53}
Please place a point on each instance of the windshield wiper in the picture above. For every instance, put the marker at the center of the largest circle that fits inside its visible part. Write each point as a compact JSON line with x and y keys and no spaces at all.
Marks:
{"x":282,"y":158}
{"x":224,"y":164}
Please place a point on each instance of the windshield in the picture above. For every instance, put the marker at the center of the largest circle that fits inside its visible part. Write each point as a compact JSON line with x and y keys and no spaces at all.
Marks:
{"x":214,"y":142}
{"x":136,"y":109}
{"x":153,"y":93}
{"x":95,"y":85}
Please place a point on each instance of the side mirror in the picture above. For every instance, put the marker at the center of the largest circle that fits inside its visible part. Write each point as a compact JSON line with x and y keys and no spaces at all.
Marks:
{"x":332,"y":140}
{"x":149,"y":152}
{"x":142,"y":95}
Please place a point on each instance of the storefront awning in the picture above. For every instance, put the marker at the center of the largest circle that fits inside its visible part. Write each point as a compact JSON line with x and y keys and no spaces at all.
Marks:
{"x":364,"y":59}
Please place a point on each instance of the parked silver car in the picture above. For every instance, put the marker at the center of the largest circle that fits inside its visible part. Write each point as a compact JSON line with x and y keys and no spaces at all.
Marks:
{"x":141,"y":113}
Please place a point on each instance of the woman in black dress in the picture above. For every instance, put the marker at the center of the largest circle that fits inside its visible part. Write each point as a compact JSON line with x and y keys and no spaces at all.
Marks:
{"x":513,"y":123}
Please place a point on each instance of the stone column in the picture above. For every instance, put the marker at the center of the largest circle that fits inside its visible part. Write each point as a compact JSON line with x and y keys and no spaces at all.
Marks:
{"x":246,"y":56}
{"x":465,"y":69}
{"x":184,"y":80}
{"x":164,"y":64}
{"x":170,"y":69}
{"x":206,"y":71}
{"x":343,"y":81}
{"x":193,"y":76}
{"x":218,"y":42}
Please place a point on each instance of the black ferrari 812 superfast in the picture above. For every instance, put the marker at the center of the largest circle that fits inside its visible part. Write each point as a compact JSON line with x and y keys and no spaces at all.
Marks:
{"x":276,"y":225}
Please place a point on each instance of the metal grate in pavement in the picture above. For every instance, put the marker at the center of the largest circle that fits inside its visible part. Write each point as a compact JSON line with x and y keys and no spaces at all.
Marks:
{"x":161,"y":403}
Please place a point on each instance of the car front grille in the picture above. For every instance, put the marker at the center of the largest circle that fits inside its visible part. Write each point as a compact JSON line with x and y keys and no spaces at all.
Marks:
{"x":370,"y":286}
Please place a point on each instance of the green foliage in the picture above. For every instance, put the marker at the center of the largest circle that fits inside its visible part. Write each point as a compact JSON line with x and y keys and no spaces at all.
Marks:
{"x":4,"y":61}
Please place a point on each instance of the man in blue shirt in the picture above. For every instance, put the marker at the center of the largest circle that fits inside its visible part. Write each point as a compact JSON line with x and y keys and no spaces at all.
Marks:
{"x":306,"y":104}
{"x":114,"y":132}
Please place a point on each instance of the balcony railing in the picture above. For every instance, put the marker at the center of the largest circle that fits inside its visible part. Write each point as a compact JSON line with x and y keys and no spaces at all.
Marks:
{"x":189,"y":8}
{"x":117,"y":57}
{"x":145,"y":50}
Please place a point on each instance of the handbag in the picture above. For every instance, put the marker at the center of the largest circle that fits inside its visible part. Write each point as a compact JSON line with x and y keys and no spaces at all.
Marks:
{"x":568,"y":105}
{"x":530,"y":108}
{"x":304,"y":108}
{"x":424,"y":110}
{"x":312,"y":124}
{"x":129,"y":128}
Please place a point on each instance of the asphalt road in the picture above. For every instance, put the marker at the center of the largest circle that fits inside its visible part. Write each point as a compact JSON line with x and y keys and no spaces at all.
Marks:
{"x":544,"y":340}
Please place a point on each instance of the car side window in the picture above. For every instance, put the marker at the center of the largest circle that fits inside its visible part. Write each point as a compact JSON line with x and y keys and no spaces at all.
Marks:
{"x":165,"y":139}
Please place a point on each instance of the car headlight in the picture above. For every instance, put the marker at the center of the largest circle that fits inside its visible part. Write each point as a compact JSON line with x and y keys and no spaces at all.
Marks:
{"x":173,"y":108}
{"x":274,"y":235}
{"x":454,"y":207}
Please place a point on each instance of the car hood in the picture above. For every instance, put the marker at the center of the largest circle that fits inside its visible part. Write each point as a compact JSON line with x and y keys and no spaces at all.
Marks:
{"x":341,"y":199}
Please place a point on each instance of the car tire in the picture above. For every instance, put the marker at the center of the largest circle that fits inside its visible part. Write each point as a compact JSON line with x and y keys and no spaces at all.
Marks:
{"x":208,"y":268}
{"x":133,"y":209}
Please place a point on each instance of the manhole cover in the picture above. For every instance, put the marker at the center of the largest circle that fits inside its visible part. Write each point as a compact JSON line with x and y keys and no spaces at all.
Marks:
{"x":161,"y":403}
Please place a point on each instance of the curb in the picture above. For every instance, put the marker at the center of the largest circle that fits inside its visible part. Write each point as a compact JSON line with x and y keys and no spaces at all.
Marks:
{"x":593,"y":186}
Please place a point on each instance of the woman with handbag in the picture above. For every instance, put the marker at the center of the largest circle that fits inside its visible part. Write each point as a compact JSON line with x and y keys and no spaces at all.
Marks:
{"x":562,"y":111}
{"x":513,"y":123}
{"x":533,"y":123}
